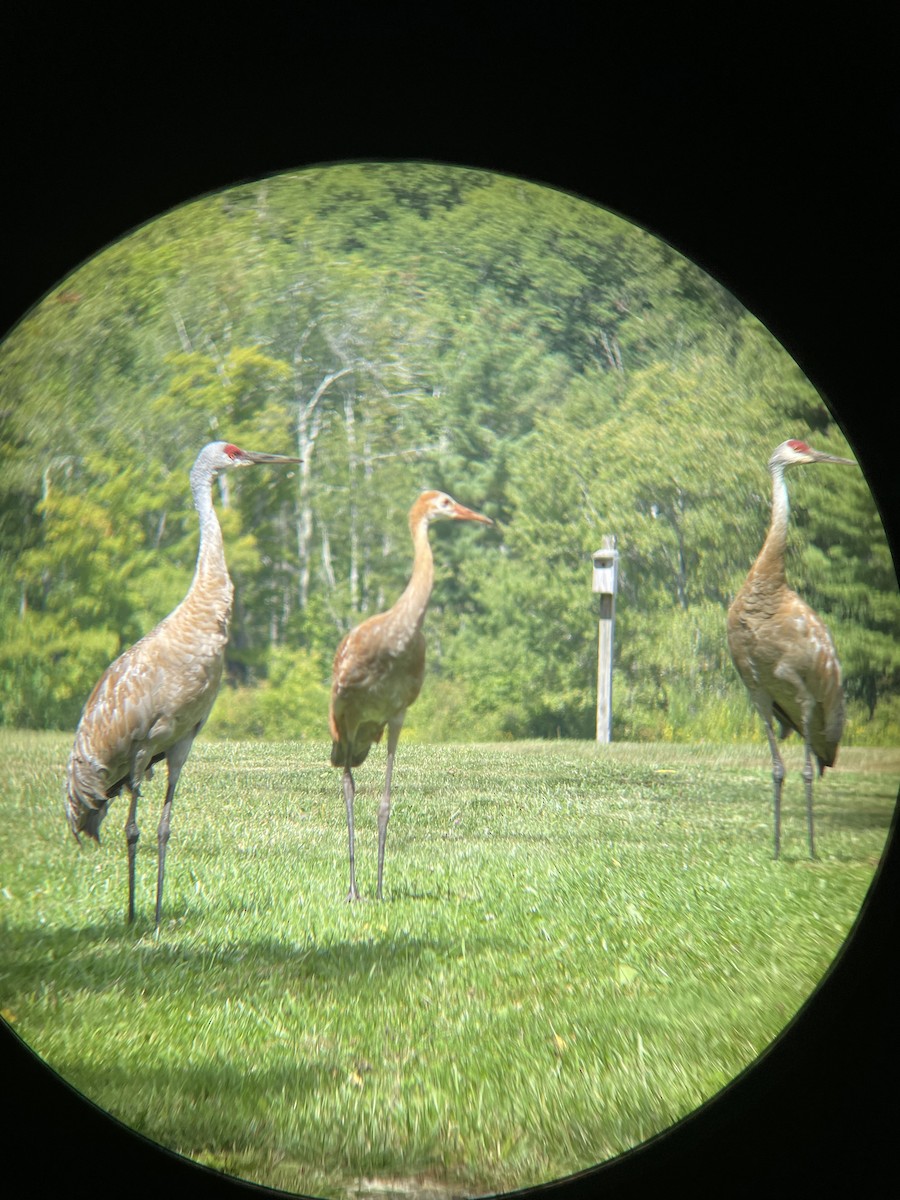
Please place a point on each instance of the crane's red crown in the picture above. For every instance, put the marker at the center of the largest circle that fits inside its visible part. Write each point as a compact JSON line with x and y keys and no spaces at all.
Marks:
{"x":800,"y":447}
{"x":232,"y":451}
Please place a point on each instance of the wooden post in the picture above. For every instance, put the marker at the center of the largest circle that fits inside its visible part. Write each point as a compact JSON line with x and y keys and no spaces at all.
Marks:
{"x":606,"y":564}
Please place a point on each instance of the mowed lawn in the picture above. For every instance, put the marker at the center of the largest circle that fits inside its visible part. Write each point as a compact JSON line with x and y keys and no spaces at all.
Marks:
{"x":578,"y":946}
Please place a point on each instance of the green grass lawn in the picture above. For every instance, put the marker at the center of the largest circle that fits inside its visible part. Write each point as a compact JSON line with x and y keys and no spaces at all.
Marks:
{"x":578,"y":946}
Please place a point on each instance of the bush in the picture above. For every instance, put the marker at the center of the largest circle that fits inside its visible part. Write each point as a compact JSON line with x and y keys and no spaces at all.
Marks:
{"x":292,"y":703}
{"x":881,"y":729}
{"x":444,"y":712}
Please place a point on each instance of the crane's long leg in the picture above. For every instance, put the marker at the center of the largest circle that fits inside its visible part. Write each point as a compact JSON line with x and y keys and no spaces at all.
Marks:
{"x":384,"y":809}
{"x":349,"y":792}
{"x":132,"y":833}
{"x":777,"y":780}
{"x":175,"y":760}
{"x":808,"y":775}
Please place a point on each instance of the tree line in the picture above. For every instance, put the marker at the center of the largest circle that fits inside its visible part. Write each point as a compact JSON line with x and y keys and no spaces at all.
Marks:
{"x":400,"y":327}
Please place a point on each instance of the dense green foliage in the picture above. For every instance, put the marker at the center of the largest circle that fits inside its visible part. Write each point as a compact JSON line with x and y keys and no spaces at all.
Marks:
{"x":403,"y":326}
{"x":578,"y":946}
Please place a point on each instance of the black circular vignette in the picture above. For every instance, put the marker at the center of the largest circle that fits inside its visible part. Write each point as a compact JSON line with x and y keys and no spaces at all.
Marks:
{"x":765,"y":169}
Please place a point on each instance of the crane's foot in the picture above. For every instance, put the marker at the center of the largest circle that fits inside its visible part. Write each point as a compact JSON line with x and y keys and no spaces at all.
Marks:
{"x":353,"y":895}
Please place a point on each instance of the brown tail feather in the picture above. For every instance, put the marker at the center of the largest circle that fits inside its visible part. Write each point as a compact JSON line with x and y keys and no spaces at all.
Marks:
{"x":366,"y":736}
{"x":825,"y":753}
{"x":339,"y":754}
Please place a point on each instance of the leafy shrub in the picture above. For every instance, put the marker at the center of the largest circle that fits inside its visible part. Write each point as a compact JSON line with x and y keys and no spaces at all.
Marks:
{"x":291,"y":703}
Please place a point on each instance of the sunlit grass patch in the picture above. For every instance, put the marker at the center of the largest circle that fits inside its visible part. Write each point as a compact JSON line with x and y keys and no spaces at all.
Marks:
{"x":578,"y":946}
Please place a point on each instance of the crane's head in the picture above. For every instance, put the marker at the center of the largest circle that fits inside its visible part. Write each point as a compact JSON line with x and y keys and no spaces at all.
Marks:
{"x":793,"y":453}
{"x":438,"y":506}
{"x":221,"y":456}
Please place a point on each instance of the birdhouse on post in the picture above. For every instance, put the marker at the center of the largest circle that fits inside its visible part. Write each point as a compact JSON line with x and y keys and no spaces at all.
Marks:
{"x":605,"y":577}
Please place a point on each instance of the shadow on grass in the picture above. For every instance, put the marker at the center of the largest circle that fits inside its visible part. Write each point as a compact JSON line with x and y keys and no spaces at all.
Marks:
{"x":853,"y":816}
{"x":237,"y":1121}
{"x":213,"y":1105}
{"x":219,"y":1102}
{"x":111,"y":957}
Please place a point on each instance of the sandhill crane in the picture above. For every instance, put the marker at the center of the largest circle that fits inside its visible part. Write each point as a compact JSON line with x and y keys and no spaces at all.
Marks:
{"x":782,"y":650}
{"x":153,"y":700}
{"x":379,"y":667}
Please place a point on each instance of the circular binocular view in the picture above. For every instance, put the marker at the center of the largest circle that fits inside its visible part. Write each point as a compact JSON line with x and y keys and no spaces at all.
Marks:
{"x":449,"y":688}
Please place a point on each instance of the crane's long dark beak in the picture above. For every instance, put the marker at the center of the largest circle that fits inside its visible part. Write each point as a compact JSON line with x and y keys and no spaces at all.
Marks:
{"x":258,"y":456}
{"x":819,"y":456}
{"x":461,"y":513}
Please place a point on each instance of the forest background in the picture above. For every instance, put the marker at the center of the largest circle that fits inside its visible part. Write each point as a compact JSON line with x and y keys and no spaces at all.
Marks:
{"x":403,"y":326}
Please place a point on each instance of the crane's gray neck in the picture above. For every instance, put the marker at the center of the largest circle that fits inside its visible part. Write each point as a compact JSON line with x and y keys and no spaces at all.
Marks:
{"x":771,"y":557}
{"x":410,"y":608}
{"x":211,"y":555}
